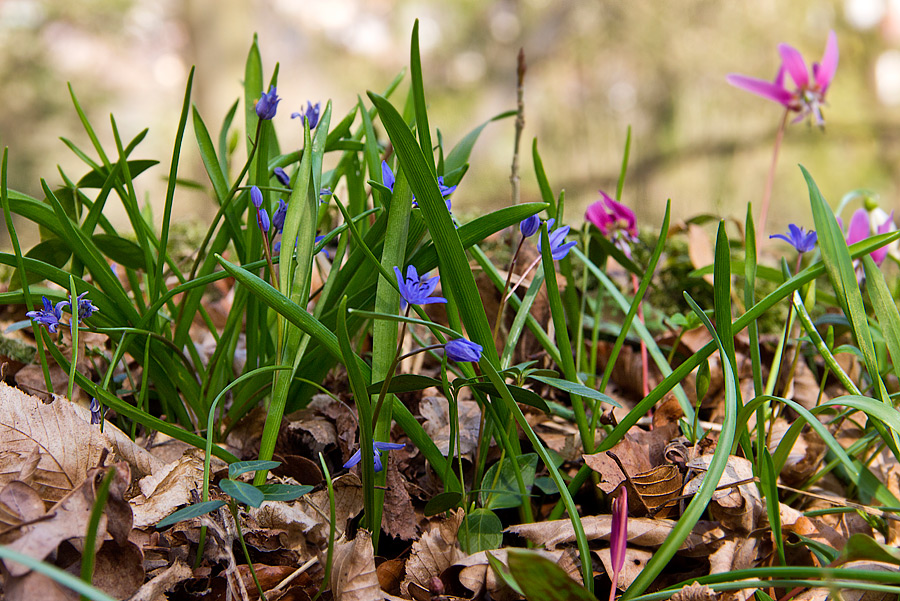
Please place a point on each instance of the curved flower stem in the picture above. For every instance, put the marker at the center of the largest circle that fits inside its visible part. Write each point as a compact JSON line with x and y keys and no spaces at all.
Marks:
{"x":503,"y":298}
{"x":770,"y":181}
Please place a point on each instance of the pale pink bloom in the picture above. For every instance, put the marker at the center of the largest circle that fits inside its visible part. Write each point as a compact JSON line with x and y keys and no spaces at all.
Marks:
{"x":809,"y":95}
{"x":861,"y":227}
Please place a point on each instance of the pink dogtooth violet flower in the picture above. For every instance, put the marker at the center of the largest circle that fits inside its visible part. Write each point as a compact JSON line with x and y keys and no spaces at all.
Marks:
{"x":809,"y":95}
{"x":861,"y":227}
{"x":614,"y":220}
{"x":618,"y":536}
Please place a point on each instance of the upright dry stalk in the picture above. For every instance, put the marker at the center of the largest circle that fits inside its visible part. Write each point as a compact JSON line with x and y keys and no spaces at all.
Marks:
{"x":520,"y":124}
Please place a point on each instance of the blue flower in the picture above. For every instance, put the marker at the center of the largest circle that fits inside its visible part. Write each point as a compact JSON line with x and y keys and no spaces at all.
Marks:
{"x":800,"y":239}
{"x":559,"y":248}
{"x":387,"y":176}
{"x":267,"y":104}
{"x":415,"y":290}
{"x":95,"y":412}
{"x":462,"y":350}
{"x":282,"y":176}
{"x":262,"y":220}
{"x":256,"y":196}
{"x":85,"y":307}
{"x":323,"y":249}
{"x":279,"y":215}
{"x":49,"y":316}
{"x":388,"y":179}
{"x":311,"y":114}
{"x":378,"y":448}
{"x":530,"y":225}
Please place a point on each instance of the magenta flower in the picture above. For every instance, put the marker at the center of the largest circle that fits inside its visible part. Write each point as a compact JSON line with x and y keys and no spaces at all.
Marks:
{"x":610,"y":216}
{"x":618,"y":536}
{"x":809,"y":96}
{"x":861,"y":228}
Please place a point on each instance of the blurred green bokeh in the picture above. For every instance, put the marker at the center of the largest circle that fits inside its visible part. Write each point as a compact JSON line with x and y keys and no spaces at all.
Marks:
{"x":594,"y":67}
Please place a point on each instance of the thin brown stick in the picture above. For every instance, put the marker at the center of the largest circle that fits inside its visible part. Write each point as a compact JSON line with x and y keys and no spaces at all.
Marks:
{"x":514,"y":179}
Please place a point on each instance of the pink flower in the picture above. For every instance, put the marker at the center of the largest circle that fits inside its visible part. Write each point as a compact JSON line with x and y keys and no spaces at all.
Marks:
{"x":861,"y":228}
{"x":618,"y":536}
{"x":614,"y":220}
{"x":809,"y":96}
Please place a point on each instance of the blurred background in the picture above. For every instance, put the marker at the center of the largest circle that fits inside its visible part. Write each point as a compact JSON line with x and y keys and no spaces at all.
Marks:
{"x":594,"y":67}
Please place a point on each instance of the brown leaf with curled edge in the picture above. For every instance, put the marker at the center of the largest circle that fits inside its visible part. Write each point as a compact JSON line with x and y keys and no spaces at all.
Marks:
{"x":643,"y":532}
{"x":156,"y":588}
{"x":353,"y":576}
{"x":738,"y":508}
{"x":632,"y":456}
{"x":436,"y":411}
{"x":168,"y":488}
{"x":69,"y":445}
{"x":477,"y":576}
{"x":19,"y":503}
{"x":434,"y":552}
{"x":399,"y":517}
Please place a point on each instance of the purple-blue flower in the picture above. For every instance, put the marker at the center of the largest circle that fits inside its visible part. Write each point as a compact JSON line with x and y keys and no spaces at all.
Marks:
{"x":95,"y":412}
{"x":378,"y":447}
{"x":462,"y":350}
{"x":323,"y":249}
{"x":311,"y":114}
{"x":559,"y":248}
{"x":282,"y":176}
{"x":415,"y":290}
{"x":279,"y":215}
{"x":262,"y":220}
{"x":799,"y":238}
{"x":529,"y":226}
{"x":50,"y":315}
{"x":256,"y":196}
{"x":388,"y":179}
{"x":267,"y":104}
{"x":85,"y":307}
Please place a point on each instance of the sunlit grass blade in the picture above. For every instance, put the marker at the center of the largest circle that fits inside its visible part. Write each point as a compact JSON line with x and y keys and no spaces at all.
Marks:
{"x":418,"y":96}
{"x":211,"y":162}
{"x":884,"y":307}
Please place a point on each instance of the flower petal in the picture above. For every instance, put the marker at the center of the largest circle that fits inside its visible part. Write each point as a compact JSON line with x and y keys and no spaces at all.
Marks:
{"x":859,"y":227}
{"x":761,"y":87}
{"x":829,"y":63}
{"x":795,"y":65}
{"x":354,"y":458}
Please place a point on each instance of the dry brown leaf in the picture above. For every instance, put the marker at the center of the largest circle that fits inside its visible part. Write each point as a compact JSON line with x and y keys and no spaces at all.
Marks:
{"x":738,"y":508}
{"x":635,"y":561}
{"x":633,"y":457}
{"x":67,"y":520}
{"x":168,"y":488}
{"x":694,"y":592}
{"x":118,"y":570}
{"x":34,"y":585}
{"x":436,"y":411}
{"x":353,"y":577}
{"x":19,"y":503}
{"x":69,"y":444}
{"x":399,"y":517}
{"x":700,"y":249}
{"x":434,"y":552}
{"x":643,"y":532}
{"x":477,"y":576}
{"x":817,"y":594}
{"x":736,"y":553}
{"x":156,"y":588}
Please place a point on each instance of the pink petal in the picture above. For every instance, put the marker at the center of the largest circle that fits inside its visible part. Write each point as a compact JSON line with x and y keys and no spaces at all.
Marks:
{"x":779,"y":77}
{"x":761,"y":87}
{"x":829,"y":63}
{"x":618,"y":536}
{"x":620,"y":211}
{"x":795,"y":65}
{"x":887,"y":226}
{"x":859,"y":227}
{"x":596,"y":214}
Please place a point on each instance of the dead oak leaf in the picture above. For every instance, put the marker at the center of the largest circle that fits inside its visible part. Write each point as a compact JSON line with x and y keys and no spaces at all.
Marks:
{"x":434,"y":552}
{"x":353,"y":577}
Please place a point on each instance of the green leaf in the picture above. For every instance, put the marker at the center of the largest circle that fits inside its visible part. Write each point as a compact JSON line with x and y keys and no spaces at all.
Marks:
{"x":405,"y":383}
{"x":242,"y":467}
{"x":884,"y":308}
{"x":861,"y":546}
{"x":283,"y":492}
{"x":208,"y":154}
{"x":521,"y":395}
{"x":122,"y":251}
{"x":542,"y":580}
{"x":442,"y":502}
{"x":768,"y":483}
{"x":499,"y":487}
{"x":96,"y":179}
{"x":575,"y":388}
{"x":191,"y":511}
{"x":242,"y":492}
{"x":480,"y":530}
{"x":418,"y":94}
